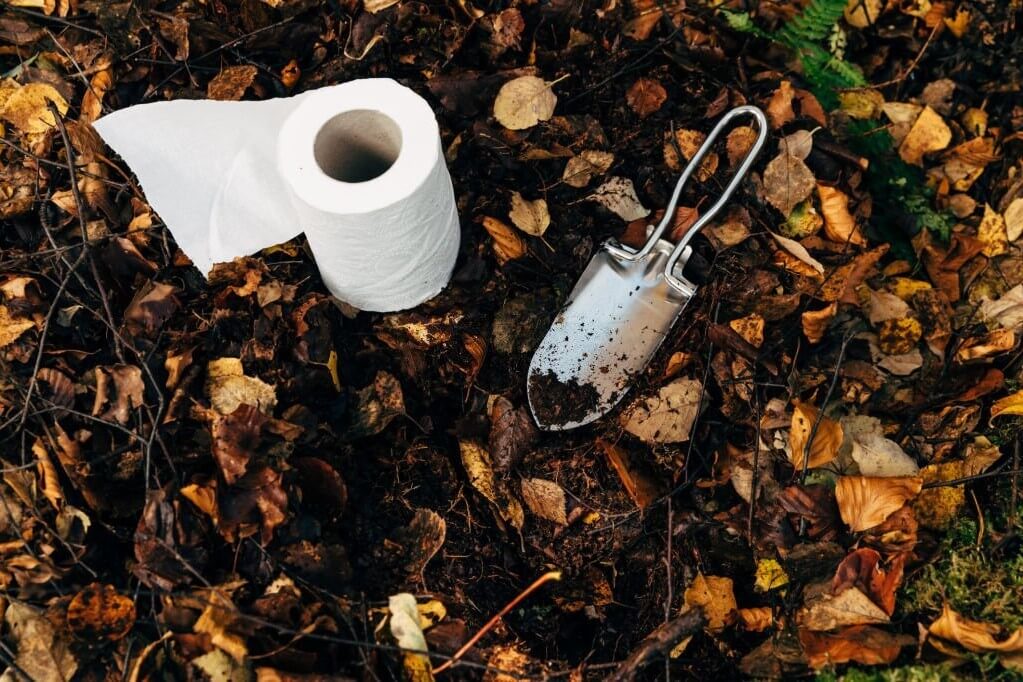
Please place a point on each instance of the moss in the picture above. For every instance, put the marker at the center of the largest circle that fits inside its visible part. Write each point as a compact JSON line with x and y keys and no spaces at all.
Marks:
{"x":909,"y":673}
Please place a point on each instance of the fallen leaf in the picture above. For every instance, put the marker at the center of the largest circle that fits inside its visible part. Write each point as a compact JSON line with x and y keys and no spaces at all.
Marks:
{"x":716,"y":596}
{"x":826,"y":440}
{"x":26,"y":107}
{"x":689,"y":143}
{"x":12,"y":327}
{"x":100,"y":612}
{"x":862,"y":569}
{"x":646,"y":96}
{"x":41,"y":651}
{"x":861,"y":644}
{"x":379,"y":403}
{"x":371,"y":6}
{"x":815,"y":322}
{"x":787,"y":182}
{"x":523,"y":102}
{"x":866,"y":501}
{"x":992,"y":231}
{"x":618,"y":195}
{"x":826,"y":611}
{"x":769,"y":576}
{"x":750,"y":328}
{"x":802,"y":222}
{"x":507,"y":245}
{"x":798,"y":251}
{"x":980,"y":347}
{"x":756,"y":619}
{"x":738,"y":143}
{"x":839,"y":225}
{"x":508,"y":28}
{"x":405,"y":628}
{"x":512,"y":433}
{"x":1006,"y":310}
{"x":227,"y":387}
{"x":150,"y":307}
{"x":580,"y":169}
{"x":979,"y":637}
{"x":92,"y":101}
{"x":640,"y":486}
{"x":422,"y":539}
{"x":218,"y":620}
{"x":883,"y":306}
{"x":929,"y":133}
{"x":480,"y":470}
{"x":779,"y":108}
{"x":546,"y":499}
{"x":1010,"y":404}
{"x":231,"y":83}
{"x":1014,"y":219}
{"x":667,"y":417}
{"x":119,"y":388}
{"x":899,"y":336}
{"x":874,"y":454}
{"x":531,"y":217}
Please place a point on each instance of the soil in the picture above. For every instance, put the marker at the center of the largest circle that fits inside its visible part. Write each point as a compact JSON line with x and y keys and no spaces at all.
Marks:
{"x":560,"y":402}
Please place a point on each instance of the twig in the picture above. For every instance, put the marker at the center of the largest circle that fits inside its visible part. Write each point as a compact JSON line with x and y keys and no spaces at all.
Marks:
{"x":545,"y":578}
{"x":658,"y":643}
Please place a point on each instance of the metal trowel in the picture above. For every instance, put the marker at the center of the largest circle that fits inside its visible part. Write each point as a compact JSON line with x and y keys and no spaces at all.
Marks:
{"x":621,"y":309}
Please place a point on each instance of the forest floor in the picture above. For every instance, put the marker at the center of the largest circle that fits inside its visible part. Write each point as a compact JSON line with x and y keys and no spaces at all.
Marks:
{"x":243,"y":478}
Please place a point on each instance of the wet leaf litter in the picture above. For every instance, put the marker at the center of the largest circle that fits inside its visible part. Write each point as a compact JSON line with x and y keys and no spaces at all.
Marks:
{"x":246,"y":478}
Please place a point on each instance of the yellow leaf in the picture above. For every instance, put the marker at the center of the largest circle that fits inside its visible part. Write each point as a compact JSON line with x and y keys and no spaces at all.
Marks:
{"x":899,"y":336}
{"x":770,"y":575}
{"x":216,"y":621}
{"x":227,"y":387}
{"x":689,"y":142}
{"x":523,"y":102}
{"x":1010,"y":404}
{"x":862,"y":104}
{"x":958,"y":24}
{"x":49,"y":480}
{"x":11,"y":328}
{"x":92,"y":102}
{"x":993,"y":233}
{"x":507,"y":244}
{"x":905,"y":288}
{"x":756,"y":619}
{"x":405,"y":628}
{"x":979,"y":637}
{"x":750,"y":328}
{"x":480,"y":470}
{"x":26,"y":106}
{"x":826,"y":441}
{"x":580,"y":169}
{"x":815,"y":322}
{"x":716,"y":596}
{"x":531,"y":217}
{"x":332,"y":368}
{"x":866,"y":501}
{"x":839,"y":224}
{"x":929,"y":133}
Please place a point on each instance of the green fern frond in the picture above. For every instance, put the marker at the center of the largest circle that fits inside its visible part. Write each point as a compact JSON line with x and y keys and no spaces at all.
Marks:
{"x":813,"y":24}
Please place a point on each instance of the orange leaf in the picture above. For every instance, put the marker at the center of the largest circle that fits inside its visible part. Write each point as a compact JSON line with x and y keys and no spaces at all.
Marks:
{"x":866,"y":501}
{"x":826,"y":440}
{"x":508,"y":245}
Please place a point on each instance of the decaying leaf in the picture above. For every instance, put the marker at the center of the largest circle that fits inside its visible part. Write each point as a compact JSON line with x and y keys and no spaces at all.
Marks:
{"x":507,"y":244}
{"x":866,"y":501}
{"x":523,"y":102}
{"x":873,"y":453}
{"x":815,"y":322}
{"x":100,"y":612}
{"x":219,"y":621}
{"x":646,"y":96}
{"x":899,"y":336}
{"x":978,"y":637}
{"x":716,"y":596}
{"x":405,"y":628}
{"x":618,"y":195}
{"x":787,"y":182}
{"x":228,"y":387}
{"x":531,"y":217}
{"x":423,"y":538}
{"x":379,"y":403}
{"x":769,"y":576}
{"x":26,"y":107}
{"x":512,"y":433}
{"x":12,"y":326}
{"x":993,"y":343}
{"x":756,"y":619}
{"x":929,"y":133}
{"x":546,"y":499}
{"x":580,"y":169}
{"x":667,"y":417}
{"x":825,"y":441}
{"x":992,"y":231}
{"x":41,"y":651}
{"x":826,"y":611}
{"x":862,"y":569}
{"x":480,"y":470}
{"x":231,"y":83}
{"x":119,"y":388}
{"x":861,"y":644}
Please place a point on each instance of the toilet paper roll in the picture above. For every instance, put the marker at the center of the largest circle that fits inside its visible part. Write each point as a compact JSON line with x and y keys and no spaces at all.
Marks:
{"x":358,"y":167}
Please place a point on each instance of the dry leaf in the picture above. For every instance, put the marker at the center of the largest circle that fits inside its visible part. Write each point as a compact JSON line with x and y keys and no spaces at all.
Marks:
{"x":218,"y":621}
{"x":862,"y":13}
{"x":646,"y":96}
{"x":689,"y":142}
{"x":716,"y":596}
{"x":787,"y":182}
{"x":531,"y":217}
{"x":929,"y":133}
{"x":642,"y":488}
{"x":11,"y":328}
{"x":480,"y":470}
{"x":581,"y":168}
{"x":866,"y":501}
{"x":231,"y":83}
{"x":371,"y":6}
{"x":899,"y":336}
{"x":979,"y":637}
{"x":1014,"y":219}
{"x":874,"y":454}
{"x":1007,"y":310}
{"x":779,"y":108}
{"x":667,"y":417}
{"x":42,"y":652}
{"x":26,"y":107}
{"x":992,"y":343}
{"x":826,"y":441}
{"x":407,"y":632}
{"x":92,"y":101}
{"x":815,"y":322}
{"x":839,"y":224}
{"x":992,"y":231}
{"x":120,"y":388}
{"x":546,"y":499}
{"x":100,"y":612}
{"x":826,"y":611}
{"x":738,"y":143}
{"x":861,"y":644}
{"x":507,"y":244}
{"x":798,"y":251}
{"x":523,"y":102}
{"x":750,"y":328}
{"x":618,"y":195}
{"x":227,"y":387}
{"x":756,"y":619}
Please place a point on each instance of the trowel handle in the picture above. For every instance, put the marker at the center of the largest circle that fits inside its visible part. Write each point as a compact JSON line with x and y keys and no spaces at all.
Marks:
{"x":681,"y":252}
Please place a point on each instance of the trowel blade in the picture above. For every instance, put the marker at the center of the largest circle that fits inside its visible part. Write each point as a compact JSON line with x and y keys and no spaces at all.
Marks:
{"x":617,"y":316}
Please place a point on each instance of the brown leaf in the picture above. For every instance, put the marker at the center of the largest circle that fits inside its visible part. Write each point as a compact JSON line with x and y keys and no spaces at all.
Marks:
{"x":507,"y":244}
{"x":580,"y":169}
{"x":814,"y":504}
{"x":929,"y":133}
{"x":667,"y":417}
{"x":689,"y":142}
{"x":756,"y":619}
{"x":512,"y":434}
{"x":322,"y":487}
{"x":546,"y":499}
{"x":779,"y":108}
{"x":49,"y":480}
{"x":42,"y":652}
{"x":826,"y":440}
{"x":100,"y":612}
{"x":715,"y":595}
{"x":866,"y":501}
{"x":218,"y":620}
{"x":257,"y":497}
{"x":839,"y":225}
{"x":379,"y":404}
{"x":228,"y":387}
{"x":12,"y":326}
{"x":152,"y":305}
{"x":92,"y":101}
{"x":639,"y":485}
{"x":231,"y":83}
{"x":861,"y":644}
{"x":646,"y":96}
{"x":532,"y":217}
{"x":422,"y":539}
{"x":815,"y":322}
{"x":738,"y":143}
{"x":979,"y":637}
{"x":862,"y":569}
{"x":992,"y":343}
{"x":235,"y":437}
{"x":787,"y":182}
{"x":120,"y":389}
{"x":826,"y":611}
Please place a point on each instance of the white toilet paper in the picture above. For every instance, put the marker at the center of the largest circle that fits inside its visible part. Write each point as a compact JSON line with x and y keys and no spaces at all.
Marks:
{"x":358,"y":167}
